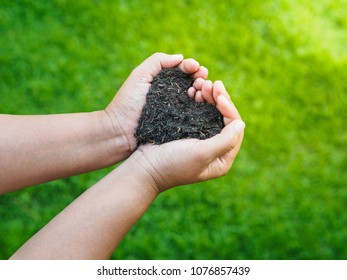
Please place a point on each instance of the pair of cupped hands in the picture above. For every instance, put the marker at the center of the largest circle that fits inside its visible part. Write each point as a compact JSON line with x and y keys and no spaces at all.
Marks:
{"x":183,"y":161}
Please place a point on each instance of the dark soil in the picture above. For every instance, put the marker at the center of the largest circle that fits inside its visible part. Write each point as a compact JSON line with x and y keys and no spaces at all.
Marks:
{"x":170,"y":114}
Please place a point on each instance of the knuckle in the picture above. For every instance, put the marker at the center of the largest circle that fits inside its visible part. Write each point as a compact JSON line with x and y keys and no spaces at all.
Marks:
{"x":157,"y":55}
{"x":231,"y":144}
{"x":201,"y":177}
{"x":224,"y":171}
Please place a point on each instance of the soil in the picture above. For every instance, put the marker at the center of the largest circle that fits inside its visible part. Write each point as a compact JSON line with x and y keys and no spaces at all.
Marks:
{"x":170,"y":114}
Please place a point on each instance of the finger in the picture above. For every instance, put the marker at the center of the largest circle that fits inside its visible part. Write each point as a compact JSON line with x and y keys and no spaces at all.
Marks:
{"x":198,"y":97}
{"x":227,"y":109}
{"x":222,"y":164}
{"x":151,"y":67}
{"x":189,"y":66}
{"x":219,"y":89}
{"x":198,"y":83}
{"x":224,"y":106}
{"x":201,"y":73}
{"x":191,"y":92}
{"x":207,"y":92}
{"x":229,"y":157}
{"x":224,"y":142}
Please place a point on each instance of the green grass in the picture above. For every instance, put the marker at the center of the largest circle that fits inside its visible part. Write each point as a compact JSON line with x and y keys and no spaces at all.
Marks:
{"x":285,"y":66}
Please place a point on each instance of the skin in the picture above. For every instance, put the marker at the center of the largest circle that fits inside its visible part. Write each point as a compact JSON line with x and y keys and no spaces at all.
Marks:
{"x":92,"y":226}
{"x":38,"y":149}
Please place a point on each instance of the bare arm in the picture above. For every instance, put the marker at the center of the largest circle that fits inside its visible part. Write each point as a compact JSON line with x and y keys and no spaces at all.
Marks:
{"x":94,"y":224}
{"x":36,"y":149}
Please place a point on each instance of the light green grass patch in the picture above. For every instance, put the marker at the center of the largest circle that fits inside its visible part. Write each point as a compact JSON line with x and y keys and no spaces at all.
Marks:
{"x":285,"y":66}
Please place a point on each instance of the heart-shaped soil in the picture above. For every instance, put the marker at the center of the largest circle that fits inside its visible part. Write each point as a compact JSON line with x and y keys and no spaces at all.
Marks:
{"x":170,"y":114}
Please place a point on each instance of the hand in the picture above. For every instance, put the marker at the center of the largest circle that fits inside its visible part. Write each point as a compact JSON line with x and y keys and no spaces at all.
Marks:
{"x":192,"y":160}
{"x":126,"y":107}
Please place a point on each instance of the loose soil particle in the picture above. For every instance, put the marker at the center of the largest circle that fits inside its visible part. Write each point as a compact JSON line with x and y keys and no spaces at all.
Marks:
{"x":170,"y":114}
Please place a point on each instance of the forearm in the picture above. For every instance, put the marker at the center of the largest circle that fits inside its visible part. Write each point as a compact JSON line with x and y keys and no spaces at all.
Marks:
{"x":94,"y":224}
{"x":37,"y":149}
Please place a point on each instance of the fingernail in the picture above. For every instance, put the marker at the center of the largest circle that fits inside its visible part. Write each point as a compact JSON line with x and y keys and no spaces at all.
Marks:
{"x":239,"y":126}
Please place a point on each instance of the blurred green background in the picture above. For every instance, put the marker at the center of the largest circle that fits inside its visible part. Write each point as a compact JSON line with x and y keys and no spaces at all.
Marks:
{"x":285,"y":66}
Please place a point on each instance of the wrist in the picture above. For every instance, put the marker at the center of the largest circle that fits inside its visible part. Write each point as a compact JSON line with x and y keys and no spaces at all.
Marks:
{"x":131,"y":182}
{"x":152,"y":173}
{"x":112,"y":135}
{"x":143,"y":173}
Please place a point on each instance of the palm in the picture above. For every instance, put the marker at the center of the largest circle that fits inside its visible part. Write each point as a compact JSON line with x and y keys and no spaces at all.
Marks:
{"x":190,"y":160}
{"x":172,"y":161}
{"x":128,"y":105}
{"x":125,"y":109}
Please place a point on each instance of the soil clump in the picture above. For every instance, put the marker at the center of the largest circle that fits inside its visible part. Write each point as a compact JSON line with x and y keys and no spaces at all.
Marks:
{"x":170,"y":114}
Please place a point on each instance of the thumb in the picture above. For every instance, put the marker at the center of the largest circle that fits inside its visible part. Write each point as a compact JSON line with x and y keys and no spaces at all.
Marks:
{"x":225,"y":141}
{"x":156,"y":62}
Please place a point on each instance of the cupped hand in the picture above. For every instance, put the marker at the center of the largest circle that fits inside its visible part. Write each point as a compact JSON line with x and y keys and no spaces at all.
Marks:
{"x":191,"y":160}
{"x":126,"y":107}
